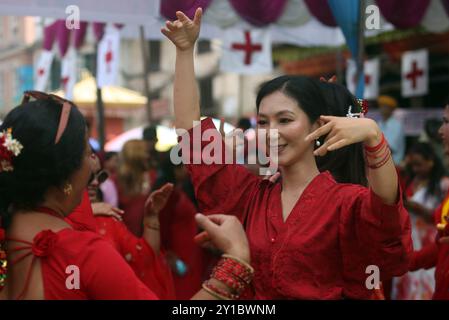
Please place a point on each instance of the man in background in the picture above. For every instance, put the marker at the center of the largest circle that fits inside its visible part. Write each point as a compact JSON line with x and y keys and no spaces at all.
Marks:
{"x":392,"y":128}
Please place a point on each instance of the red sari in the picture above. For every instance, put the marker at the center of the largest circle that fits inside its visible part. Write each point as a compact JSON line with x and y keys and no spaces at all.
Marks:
{"x":178,"y":228}
{"x":134,"y":206}
{"x":334,"y":232}
{"x":150,"y":268}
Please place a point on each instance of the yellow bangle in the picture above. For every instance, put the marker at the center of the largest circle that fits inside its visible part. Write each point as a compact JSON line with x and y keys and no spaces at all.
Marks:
{"x":216,"y":295}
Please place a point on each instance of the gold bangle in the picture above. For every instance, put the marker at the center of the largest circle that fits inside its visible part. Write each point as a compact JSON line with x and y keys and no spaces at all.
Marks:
{"x":239,"y":261}
{"x":213,"y":293}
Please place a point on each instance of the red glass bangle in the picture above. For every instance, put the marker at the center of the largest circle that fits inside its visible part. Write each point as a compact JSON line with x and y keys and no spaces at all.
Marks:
{"x":381,"y":163}
{"x":377,"y":147}
{"x":218,"y":291}
{"x":378,"y":155}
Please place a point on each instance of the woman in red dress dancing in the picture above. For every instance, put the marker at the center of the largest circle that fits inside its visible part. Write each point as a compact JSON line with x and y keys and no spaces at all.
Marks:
{"x":310,"y":237}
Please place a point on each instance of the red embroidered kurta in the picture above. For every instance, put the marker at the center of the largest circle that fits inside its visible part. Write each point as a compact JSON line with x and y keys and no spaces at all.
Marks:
{"x":334,"y":232}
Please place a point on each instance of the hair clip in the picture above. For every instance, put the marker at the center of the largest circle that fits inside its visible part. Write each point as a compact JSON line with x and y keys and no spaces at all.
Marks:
{"x":353,"y":115}
{"x":363,"y":104}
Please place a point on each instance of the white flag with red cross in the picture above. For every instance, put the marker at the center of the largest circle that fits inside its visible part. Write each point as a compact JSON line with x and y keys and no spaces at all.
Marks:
{"x":246,"y":52}
{"x":68,"y":73}
{"x":415,"y":73}
{"x":371,"y":73}
{"x":108,"y":58}
{"x":42,"y":70}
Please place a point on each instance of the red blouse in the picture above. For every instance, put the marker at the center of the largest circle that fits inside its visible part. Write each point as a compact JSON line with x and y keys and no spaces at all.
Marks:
{"x":334,"y":232}
{"x":103,"y":273}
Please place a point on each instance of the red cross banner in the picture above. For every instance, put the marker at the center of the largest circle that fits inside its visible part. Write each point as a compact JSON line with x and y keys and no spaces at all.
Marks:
{"x":42,"y":70}
{"x":68,"y":73}
{"x":246,"y":52}
{"x":371,"y":69}
{"x":108,"y":58}
{"x":415,"y":73}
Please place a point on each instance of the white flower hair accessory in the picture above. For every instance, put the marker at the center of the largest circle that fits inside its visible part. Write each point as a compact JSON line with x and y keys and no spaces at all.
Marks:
{"x":353,"y":115}
{"x":9,"y":148}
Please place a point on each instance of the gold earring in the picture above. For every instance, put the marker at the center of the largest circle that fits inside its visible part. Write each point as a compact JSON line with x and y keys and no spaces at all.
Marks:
{"x":67,"y":189}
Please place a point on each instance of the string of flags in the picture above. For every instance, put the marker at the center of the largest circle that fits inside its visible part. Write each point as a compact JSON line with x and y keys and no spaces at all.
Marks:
{"x":414,"y":75}
{"x":246,"y":52}
{"x":108,"y":55}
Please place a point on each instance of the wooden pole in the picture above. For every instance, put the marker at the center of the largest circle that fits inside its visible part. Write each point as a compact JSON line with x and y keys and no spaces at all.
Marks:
{"x":361,"y":50}
{"x":146,"y":82}
{"x":100,"y":107}
{"x":241,"y":99}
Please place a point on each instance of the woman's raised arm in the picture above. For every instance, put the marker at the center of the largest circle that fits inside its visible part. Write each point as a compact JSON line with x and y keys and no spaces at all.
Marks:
{"x":183,"y":33}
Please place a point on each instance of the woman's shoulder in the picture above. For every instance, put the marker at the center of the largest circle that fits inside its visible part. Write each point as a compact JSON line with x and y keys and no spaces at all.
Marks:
{"x":78,"y":239}
{"x":348,"y":191}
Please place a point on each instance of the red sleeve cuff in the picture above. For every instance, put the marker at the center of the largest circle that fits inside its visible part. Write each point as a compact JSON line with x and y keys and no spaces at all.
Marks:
{"x":389,"y":217}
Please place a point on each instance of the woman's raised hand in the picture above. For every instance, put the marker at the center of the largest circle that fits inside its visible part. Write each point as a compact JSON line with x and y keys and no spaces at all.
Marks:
{"x":343,"y":131}
{"x":183,"y":32}
{"x":226,"y":233}
{"x":106,"y":209}
{"x":157,"y":200}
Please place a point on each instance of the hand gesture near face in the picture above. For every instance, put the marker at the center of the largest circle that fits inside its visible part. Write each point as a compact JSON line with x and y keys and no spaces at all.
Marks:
{"x":343,"y":131}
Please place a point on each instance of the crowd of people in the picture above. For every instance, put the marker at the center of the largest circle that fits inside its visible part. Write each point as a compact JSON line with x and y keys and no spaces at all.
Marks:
{"x":78,"y":223}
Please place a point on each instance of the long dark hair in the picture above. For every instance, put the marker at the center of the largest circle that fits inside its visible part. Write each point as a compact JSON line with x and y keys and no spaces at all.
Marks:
{"x":427,"y":152}
{"x":318,"y":98}
{"x":41,"y":163}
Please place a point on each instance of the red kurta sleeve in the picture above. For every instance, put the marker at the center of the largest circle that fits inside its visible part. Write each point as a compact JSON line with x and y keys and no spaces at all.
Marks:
{"x":150,"y":268}
{"x":219,"y":188}
{"x":106,"y":275}
{"x":374,"y":233}
{"x":425,"y":258}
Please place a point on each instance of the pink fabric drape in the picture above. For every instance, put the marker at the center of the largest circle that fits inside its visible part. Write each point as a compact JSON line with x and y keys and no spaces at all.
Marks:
{"x":403,"y":13}
{"x":63,"y":35}
{"x":79,"y":35}
{"x":50,"y":32}
{"x":169,"y":7}
{"x":321,"y":11}
{"x":259,"y":13}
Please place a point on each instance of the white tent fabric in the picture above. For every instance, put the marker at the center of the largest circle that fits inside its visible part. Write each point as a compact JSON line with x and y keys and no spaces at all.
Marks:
{"x":140,"y":12}
{"x":435,"y":19}
{"x":221,"y":13}
{"x":167,"y":137}
{"x":296,"y":13}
